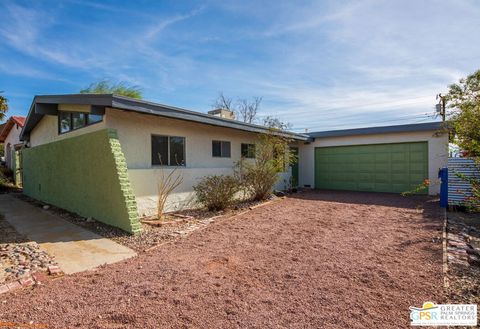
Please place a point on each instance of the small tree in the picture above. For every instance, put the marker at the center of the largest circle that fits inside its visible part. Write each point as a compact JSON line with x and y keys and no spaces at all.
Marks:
{"x":3,"y":106}
{"x":244,"y":109}
{"x":247,"y":110}
{"x":223,"y":102}
{"x":272,"y":156}
{"x":463,"y":99}
{"x":118,"y":88}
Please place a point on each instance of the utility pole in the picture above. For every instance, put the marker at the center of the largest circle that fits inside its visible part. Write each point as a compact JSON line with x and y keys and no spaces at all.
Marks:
{"x":441,"y":106}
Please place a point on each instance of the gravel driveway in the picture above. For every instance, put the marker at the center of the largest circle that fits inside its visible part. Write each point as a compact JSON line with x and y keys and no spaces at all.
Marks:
{"x":319,"y":259}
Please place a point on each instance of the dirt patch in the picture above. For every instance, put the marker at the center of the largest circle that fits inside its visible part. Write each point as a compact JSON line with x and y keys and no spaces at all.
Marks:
{"x":319,"y":260}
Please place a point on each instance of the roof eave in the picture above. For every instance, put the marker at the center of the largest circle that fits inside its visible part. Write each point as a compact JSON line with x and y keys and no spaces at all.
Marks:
{"x":429,"y":126}
{"x":145,"y":107}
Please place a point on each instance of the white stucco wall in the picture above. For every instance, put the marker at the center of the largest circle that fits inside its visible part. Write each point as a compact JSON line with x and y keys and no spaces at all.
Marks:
{"x":134,"y":132}
{"x":12,"y":139}
{"x":437,"y":152}
{"x":46,"y":131}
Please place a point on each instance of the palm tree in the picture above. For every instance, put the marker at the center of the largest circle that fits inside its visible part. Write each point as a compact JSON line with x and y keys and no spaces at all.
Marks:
{"x":108,"y":87}
{"x":3,"y":106}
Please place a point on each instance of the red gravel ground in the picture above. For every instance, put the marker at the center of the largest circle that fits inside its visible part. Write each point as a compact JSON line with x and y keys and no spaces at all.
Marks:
{"x":319,"y":260}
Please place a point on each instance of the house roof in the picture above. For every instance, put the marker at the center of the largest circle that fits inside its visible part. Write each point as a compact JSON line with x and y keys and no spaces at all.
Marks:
{"x":429,"y":126}
{"x":139,"y":106}
{"x":7,"y":126}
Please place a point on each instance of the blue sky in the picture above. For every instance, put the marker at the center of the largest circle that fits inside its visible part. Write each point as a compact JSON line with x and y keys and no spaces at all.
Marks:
{"x":317,"y":64}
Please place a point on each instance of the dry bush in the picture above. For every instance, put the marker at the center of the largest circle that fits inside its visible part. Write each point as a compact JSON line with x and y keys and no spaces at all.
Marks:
{"x":217,"y":192}
{"x":166,"y":185}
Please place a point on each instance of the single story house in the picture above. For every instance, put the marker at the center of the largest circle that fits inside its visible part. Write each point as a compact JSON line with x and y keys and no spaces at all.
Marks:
{"x":101,"y":155}
{"x":10,"y":137}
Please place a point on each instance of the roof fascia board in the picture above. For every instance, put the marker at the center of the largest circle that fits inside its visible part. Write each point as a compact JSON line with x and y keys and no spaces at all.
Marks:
{"x":430,"y":126}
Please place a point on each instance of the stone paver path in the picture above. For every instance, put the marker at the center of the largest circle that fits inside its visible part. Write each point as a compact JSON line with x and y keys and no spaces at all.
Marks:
{"x":75,"y":249}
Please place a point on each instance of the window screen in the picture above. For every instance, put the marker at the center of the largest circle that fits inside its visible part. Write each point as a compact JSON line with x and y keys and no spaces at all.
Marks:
{"x":216,"y":148}
{"x":168,"y":150}
{"x":221,"y":149}
{"x":160,"y":150}
{"x":177,"y":151}
{"x":248,"y":151}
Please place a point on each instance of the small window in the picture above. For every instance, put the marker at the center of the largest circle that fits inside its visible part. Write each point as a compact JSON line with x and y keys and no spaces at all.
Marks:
{"x":68,"y":121}
{"x":248,"y":151}
{"x":221,"y":149}
{"x":168,"y":150}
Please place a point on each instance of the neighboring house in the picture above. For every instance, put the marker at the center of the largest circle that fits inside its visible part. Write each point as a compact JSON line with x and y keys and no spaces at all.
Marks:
{"x":10,"y":137}
{"x":101,"y":155}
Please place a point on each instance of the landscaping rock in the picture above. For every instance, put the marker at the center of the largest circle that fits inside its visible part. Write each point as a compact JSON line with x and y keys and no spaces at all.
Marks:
{"x":18,"y":256}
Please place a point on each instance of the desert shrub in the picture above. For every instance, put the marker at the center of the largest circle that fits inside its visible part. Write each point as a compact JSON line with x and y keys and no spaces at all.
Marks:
{"x":166,"y":184}
{"x":6,"y":172}
{"x":217,"y":192}
{"x":272,"y":156}
{"x":6,"y":183}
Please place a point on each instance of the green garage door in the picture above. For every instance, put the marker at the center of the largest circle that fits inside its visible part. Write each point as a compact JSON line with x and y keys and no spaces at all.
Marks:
{"x":381,"y":167}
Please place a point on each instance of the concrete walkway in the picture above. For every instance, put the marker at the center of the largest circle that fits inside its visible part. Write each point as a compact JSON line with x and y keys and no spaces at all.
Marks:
{"x":75,"y":248}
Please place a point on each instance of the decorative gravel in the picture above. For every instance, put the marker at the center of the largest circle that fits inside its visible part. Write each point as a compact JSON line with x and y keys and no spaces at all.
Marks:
{"x":314,"y":260}
{"x":18,"y":256}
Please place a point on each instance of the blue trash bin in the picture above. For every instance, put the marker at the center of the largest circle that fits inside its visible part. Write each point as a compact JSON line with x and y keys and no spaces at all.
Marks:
{"x":443,"y":175}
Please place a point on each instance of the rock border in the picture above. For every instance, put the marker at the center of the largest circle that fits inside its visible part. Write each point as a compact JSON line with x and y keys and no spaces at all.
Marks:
{"x":34,"y":279}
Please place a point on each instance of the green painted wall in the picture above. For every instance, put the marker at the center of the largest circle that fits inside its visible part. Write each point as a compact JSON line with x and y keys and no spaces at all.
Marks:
{"x":396,"y":168}
{"x":87,"y":175}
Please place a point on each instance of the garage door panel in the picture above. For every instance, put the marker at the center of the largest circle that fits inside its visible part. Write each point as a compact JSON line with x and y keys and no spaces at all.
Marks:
{"x":399,"y":156}
{"x":416,"y":157}
{"x":416,"y":178}
{"x":381,"y":157}
{"x":399,"y":179}
{"x":384,"y":168}
{"x":400,"y":187}
{"x":400,"y":167}
{"x":366,"y":186}
{"x":422,"y":147}
{"x":382,"y":187}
